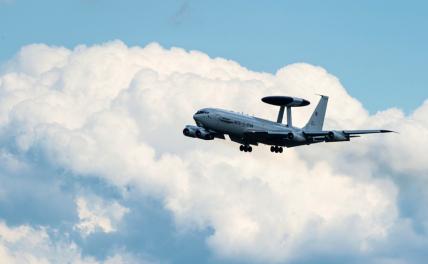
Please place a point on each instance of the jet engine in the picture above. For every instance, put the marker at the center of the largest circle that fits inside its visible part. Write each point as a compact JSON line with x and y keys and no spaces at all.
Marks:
{"x":337,"y":136}
{"x":203,"y":134}
{"x":190,"y":131}
{"x":199,"y":132}
{"x":297,"y":137}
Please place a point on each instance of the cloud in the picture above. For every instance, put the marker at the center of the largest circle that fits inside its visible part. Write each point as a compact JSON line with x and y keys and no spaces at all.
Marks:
{"x":95,"y":214}
{"x":115,"y":113}
{"x":25,"y":244}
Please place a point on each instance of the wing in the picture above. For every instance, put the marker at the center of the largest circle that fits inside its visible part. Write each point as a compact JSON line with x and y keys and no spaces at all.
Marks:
{"x":265,"y":134}
{"x":341,"y":135}
{"x":293,"y":139}
{"x":369,"y":131}
{"x":255,"y":136}
{"x":347,"y":132}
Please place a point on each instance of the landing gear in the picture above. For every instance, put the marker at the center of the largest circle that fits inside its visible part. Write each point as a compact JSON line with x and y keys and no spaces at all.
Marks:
{"x":245,"y":148}
{"x":276,"y":149}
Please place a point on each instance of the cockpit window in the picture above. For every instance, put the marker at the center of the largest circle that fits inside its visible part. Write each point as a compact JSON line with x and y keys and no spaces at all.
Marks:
{"x":201,"y":112}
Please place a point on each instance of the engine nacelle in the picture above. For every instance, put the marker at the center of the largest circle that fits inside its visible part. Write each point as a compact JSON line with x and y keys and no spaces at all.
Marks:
{"x":190,"y":131}
{"x":296,"y":137}
{"x":198,"y":132}
{"x":336,"y":136}
{"x":204,"y":134}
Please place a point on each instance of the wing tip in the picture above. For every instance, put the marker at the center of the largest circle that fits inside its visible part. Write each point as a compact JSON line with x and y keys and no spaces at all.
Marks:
{"x":387,"y":131}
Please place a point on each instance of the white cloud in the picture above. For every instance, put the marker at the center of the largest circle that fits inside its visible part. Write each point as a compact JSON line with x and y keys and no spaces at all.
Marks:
{"x":24,"y":244}
{"x":96,"y":214}
{"x":117,"y":112}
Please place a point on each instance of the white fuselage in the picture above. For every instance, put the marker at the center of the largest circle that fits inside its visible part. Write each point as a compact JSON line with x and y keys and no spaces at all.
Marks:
{"x":236,"y":124}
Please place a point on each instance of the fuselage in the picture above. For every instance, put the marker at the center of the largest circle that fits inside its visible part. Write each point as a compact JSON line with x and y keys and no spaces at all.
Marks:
{"x":237,"y":124}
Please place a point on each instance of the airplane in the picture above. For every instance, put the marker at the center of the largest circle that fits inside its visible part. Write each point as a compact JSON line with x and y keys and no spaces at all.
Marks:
{"x":250,"y":130}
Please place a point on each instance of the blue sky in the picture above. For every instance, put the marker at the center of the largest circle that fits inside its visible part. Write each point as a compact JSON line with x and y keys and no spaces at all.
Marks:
{"x":376,"y":48}
{"x":92,"y":158}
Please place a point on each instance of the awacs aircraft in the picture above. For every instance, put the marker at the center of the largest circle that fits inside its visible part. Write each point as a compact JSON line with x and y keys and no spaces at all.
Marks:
{"x":248,"y":130}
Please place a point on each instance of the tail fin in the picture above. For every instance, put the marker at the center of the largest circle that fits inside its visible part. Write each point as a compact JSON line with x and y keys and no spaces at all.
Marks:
{"x":316,"y":121}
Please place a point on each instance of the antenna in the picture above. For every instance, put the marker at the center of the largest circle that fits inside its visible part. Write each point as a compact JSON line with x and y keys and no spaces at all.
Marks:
{"x":285,"y":101}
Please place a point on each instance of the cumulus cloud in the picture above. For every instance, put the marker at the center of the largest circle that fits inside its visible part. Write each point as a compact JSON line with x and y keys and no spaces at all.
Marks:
{"x":116,"y":113}
{"x":96,"y":214}
{"x":24,"y":244}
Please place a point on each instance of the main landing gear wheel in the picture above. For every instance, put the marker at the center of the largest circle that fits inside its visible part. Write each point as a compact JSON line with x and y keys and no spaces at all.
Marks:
{"x":245,"y":148}
{"x":276,"y":149}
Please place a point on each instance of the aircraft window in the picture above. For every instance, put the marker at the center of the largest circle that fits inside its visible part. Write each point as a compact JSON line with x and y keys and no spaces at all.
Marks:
{"x":226,"y":120}
{"x":202,"y":112}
